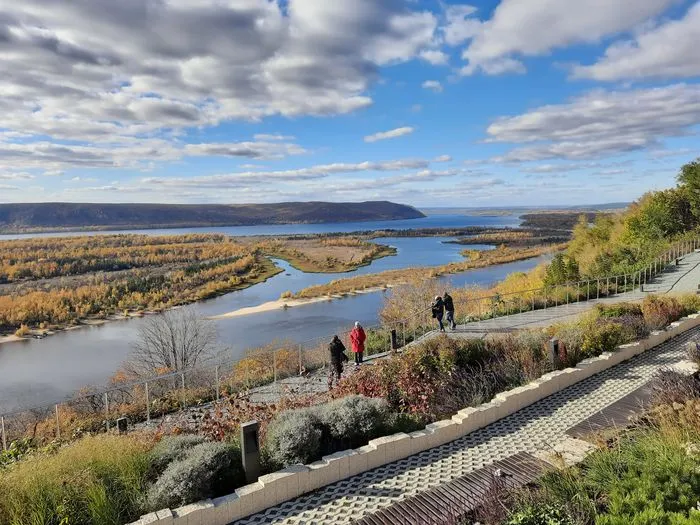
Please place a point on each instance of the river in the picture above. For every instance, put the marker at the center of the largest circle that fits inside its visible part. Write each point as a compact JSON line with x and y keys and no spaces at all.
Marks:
{"x":36,"y":372}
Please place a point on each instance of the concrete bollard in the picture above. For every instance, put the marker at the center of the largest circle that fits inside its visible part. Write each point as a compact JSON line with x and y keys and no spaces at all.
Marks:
{"x":122,"y":425}
{"x":250,"y":450}
{"x":554,"y":352}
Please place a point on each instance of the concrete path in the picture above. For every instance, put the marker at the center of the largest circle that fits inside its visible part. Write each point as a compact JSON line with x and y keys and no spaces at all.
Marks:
{"x":537,"y":428}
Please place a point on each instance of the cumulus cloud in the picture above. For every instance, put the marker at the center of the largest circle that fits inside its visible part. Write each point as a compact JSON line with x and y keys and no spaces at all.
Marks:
{"x":432,"y":85}
{"x":665,"y":51}
{"x":460,"y":26}
{"x":391,"y":134}
{"x":101,"y":71}
{"x":251,"y":150}
{"x":600,"y":123}
{"x":435,"y":57}
{"x":15,"y":176}
{"x":536,"y":27}
{"x":442,"y":158}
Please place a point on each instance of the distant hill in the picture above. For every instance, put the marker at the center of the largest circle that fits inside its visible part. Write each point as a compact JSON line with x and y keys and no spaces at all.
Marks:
{"x":58,"y":216}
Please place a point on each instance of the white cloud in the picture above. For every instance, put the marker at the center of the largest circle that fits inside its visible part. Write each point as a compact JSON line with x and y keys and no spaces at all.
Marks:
{"x":536,"y":27}
{"x":434,"y":57}
{"x":391,"y":134}
{"x":270,"y":137}
{"x":15,"y":176}
{"x":600,"y":123}
{"x":432,"y":85}
{"x":8,"y":187}
{"x":416,"y":108}
{"x":669,"y":50}
{"x":442,"y":158}
{"x":459,"y":27}
{"x":105,"y":72}
{"x":311,"y":173}
{"x":251,"y":150}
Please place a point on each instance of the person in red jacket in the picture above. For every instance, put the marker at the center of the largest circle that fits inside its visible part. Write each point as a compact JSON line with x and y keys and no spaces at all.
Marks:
{"x":357,"y":338}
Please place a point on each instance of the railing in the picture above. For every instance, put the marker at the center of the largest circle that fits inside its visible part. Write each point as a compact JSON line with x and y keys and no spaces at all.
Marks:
{"x":150,"y":399}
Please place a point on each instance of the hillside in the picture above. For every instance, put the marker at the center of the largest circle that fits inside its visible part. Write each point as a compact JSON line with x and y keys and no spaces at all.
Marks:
{"x":76,"y":216}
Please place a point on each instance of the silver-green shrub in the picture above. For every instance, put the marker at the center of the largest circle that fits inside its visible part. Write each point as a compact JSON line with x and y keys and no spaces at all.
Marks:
{"x":171,"y":448}
{"x":206,"y":470}
{"x":294,"y":437}
{"x":356,"y":419}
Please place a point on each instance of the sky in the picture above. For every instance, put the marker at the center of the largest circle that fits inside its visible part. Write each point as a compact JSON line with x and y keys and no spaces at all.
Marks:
{"x":425,"y":102}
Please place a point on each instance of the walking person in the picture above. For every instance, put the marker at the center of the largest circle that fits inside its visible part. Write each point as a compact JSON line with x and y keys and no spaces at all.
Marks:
{"x":438,"y":309}
{"x":357,"y":338}
{"x":336,"y":348}
{"x":449,"y":310}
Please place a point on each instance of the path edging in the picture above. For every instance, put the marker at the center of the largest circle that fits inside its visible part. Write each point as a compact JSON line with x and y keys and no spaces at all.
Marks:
{"x":289,"y":483}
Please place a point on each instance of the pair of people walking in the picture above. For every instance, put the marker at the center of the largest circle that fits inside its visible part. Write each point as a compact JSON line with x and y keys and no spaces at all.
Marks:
{"x":336,"y":349}
{"x":444,"y":307}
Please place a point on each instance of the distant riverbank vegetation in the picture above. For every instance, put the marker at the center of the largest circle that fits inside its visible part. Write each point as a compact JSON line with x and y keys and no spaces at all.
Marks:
{"x":55,"y":282}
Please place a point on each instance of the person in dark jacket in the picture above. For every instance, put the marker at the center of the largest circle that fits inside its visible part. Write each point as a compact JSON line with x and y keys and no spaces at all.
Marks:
{"x":449,"y":310}
{"x":336,"y":348}
{"x":438,"y":309}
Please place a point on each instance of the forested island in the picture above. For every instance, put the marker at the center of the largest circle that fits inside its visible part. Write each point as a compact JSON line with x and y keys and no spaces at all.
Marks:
{"x":69,"y":216}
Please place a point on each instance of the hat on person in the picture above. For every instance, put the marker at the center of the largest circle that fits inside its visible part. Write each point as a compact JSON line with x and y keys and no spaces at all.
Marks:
{"x":437,"y":297}
{"x":357,"y":324}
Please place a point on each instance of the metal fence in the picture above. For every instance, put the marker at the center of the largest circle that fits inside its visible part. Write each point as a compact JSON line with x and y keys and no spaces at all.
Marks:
{"x":152,"y":398}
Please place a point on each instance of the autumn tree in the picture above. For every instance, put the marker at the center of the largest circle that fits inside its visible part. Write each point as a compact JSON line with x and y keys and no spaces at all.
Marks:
{"x":174,"y":340}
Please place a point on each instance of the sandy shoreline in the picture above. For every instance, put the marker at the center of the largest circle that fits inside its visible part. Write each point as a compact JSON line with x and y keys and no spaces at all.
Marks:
{"x":292,"y":303}
{"x":9,"y":338}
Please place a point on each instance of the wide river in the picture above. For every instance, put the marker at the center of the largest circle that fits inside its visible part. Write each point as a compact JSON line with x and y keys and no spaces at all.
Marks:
{"x":37,"y":372}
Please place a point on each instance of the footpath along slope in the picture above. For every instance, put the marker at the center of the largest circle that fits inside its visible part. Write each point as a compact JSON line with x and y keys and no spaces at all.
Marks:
{"x":539,"y":427}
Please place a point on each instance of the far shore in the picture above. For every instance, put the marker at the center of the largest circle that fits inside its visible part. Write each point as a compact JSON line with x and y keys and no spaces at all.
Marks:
{"x":281,"y":304}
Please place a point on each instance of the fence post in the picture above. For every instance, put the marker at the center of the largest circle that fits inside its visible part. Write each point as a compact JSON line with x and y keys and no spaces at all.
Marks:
{"x":301,"y":360}
{"x":107,"y":411}
{"x":216,"y":372}
{"x":148,"y":405}
{"x":588,"y":290}
{"x":58,"y":423}
{"x":274,"y":366}
{"x":184,"y":395}
{"x":2,"y":429}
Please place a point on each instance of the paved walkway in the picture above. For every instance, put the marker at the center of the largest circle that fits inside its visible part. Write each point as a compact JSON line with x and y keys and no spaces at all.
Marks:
{"x":536,"y":428}
{"x":676,"y":279}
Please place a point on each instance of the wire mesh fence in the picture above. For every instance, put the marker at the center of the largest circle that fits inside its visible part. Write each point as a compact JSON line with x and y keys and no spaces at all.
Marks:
{"x":151,"y":399}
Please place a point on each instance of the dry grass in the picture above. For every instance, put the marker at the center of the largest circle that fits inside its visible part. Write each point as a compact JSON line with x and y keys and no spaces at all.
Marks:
{"x":326,"y":255}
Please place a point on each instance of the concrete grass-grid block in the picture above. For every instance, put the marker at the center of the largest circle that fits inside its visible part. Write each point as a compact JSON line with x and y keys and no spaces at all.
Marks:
{"x":490,"y":412}
{"x":339,"y":464}
{"x":320,"y":474}
{"x":468,"y":420}
{"x":444,"y":431}
{"x":147,"y":519}
{"x":251,"y":498}
{"x":392,"y":448}
{"x":656,"y":338}
{"x":276,"y":486}
{"x":200,"y":513}
{"x":228,"y":508}
{"x":420,"y":441}
{"x":372,"y":455}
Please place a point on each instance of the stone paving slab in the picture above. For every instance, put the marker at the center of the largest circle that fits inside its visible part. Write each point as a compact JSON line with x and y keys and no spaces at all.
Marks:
{"x":537,"y":428}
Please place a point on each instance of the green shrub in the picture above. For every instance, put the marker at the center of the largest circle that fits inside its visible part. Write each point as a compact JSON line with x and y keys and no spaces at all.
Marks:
{"x":356,"y":419}
{"x":601,"y":337}
{"x":690,"y":303}
{"x":294,"y":437}
{"x":94,"y":481}
{"x":618,"y":309}
{"x":207,"y":470}
{"x":541,"y":515}
{"x":659,"y":312}
{"x":401,"y":422}
{"x":171,"y":448}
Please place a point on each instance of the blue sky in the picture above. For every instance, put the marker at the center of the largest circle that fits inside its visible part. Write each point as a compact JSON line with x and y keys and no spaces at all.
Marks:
{"x":517,"y":102}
